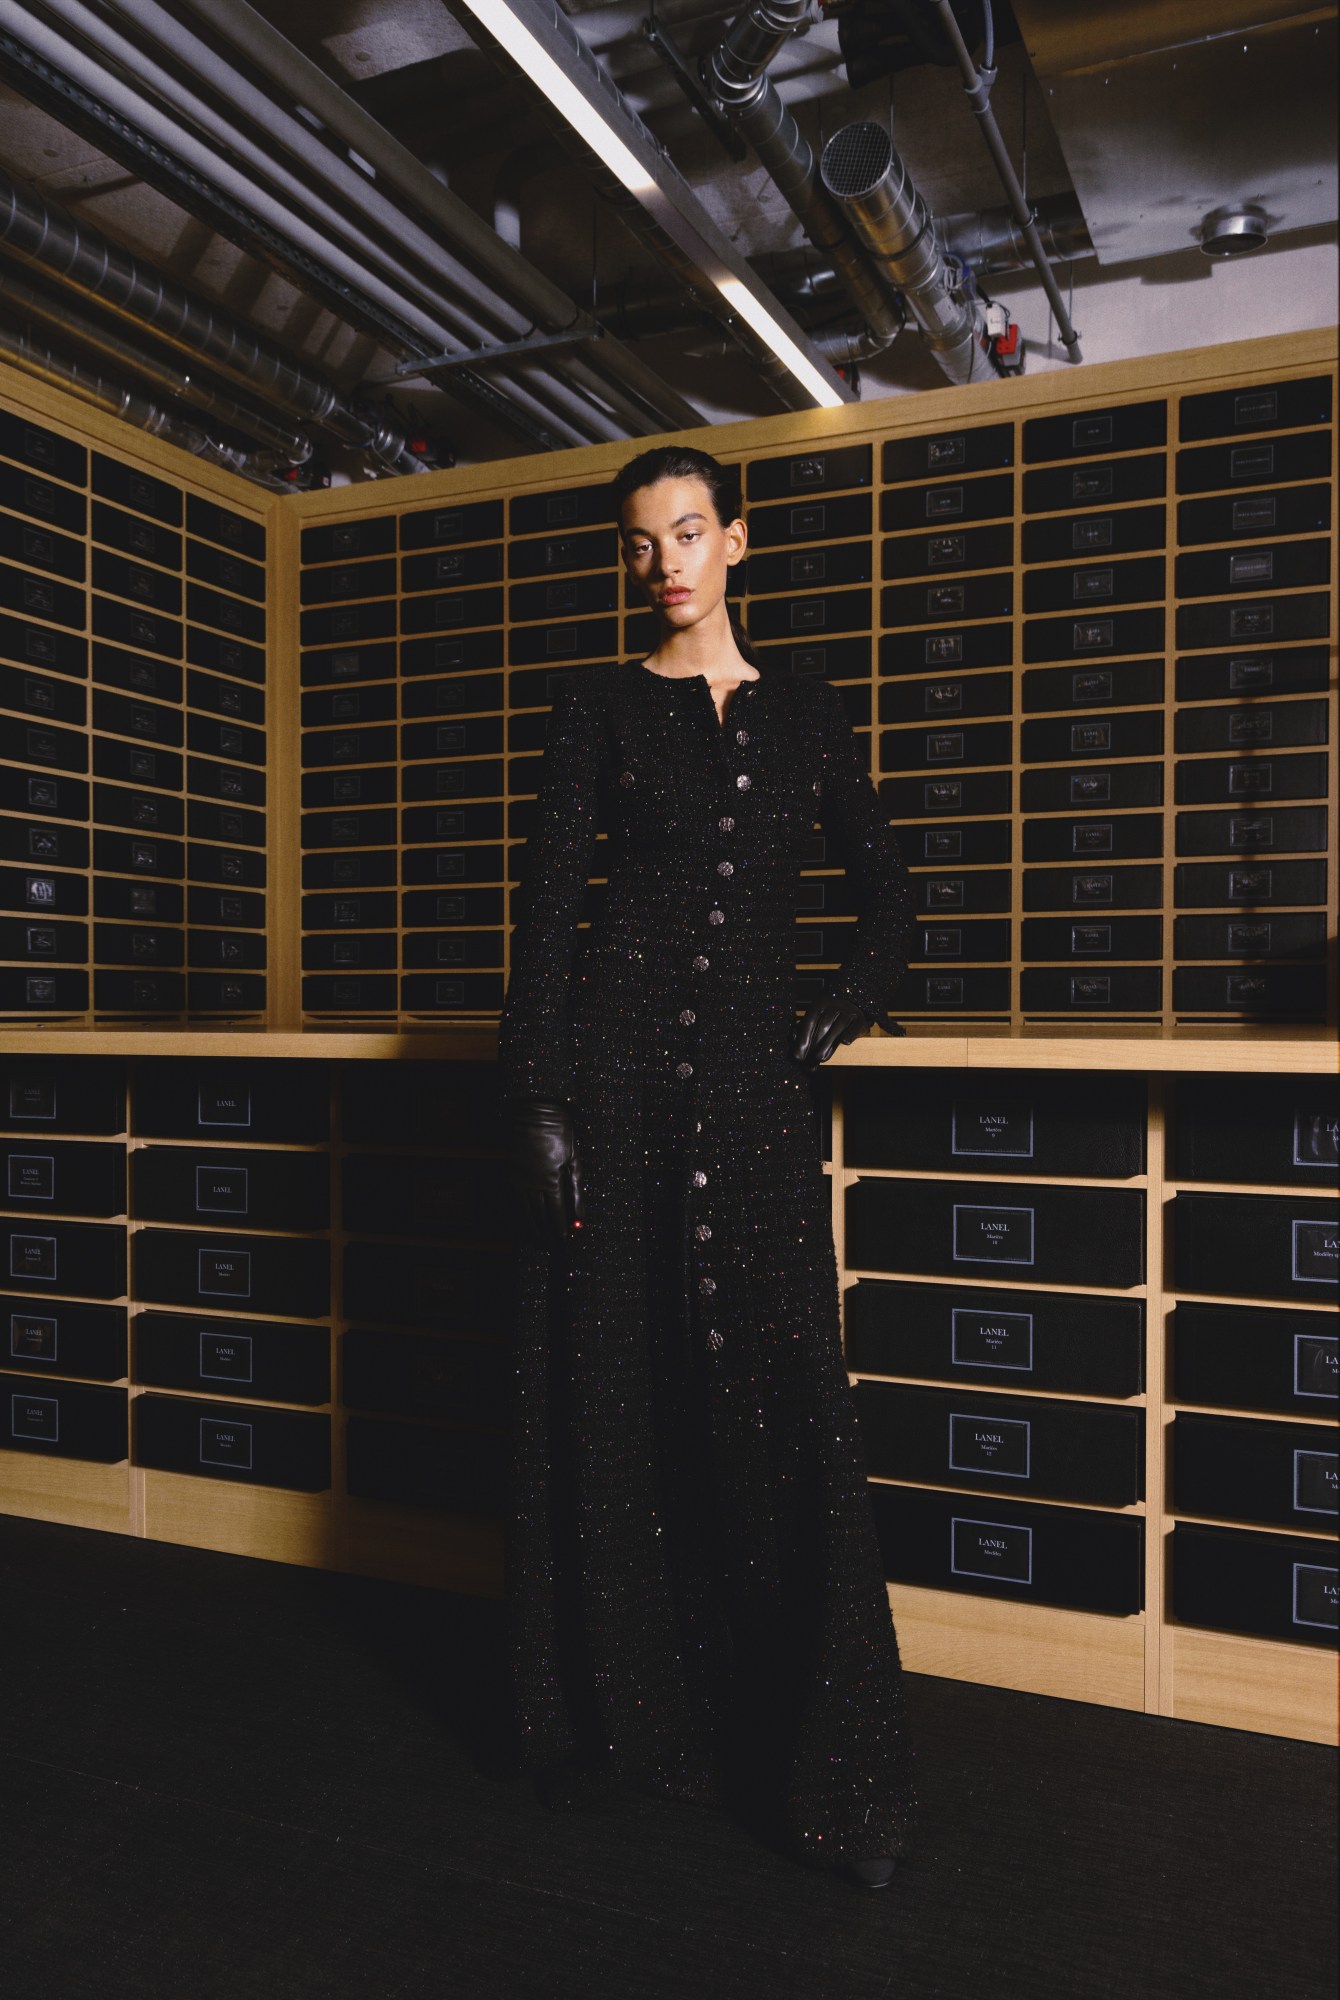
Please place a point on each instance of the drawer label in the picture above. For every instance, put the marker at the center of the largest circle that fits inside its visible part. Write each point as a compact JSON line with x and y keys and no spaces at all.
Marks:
{"x":225,"y":1357}
{"x":994,"y":1549}
{"x":221,"y":1190}
{"x":1315,"y":1365}
{"x":223,"y":1104}
{"x":33,"y":1258}
{"x":998,"y":1447}
{"x":991,"y":1339}
{"x":1091,"y":940}
{"x":32,"y":1177}
{"x":992,"y":1235}
{"x":1316,"y":1595}
{"x":35,"y":1417}
{"x":1090,"y":787}
{"x":224,"y":1273}
{"x":1092,"y":836}
{"x":984,"y":1126}
{"x":1316,"y":1139}
{"x":1315,"y":1482}
{"x":33,"y":1337}
{"x":1316,"y":1253}
{"x":225,"y":1444}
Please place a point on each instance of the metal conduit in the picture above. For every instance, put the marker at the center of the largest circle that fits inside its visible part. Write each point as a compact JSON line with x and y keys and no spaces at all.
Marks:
{"x":861,"y":169}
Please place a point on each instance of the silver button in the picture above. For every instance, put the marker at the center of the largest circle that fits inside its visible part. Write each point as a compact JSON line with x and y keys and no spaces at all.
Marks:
{"x":683,"y":1071}
{"x":816,"y":788}
{"x":716,"y":916}
{"x":725,"y":868}
{"x":687,"y":1017}
{"x":703,"y":1232}
{"x":726,"y":824}
{"x":699,"y":1177}
{"x":707,"y":1286}
{"x":742,"y":783}
{"x":715,"y":1340}
{"x":742,"y":736}
{"x":626,"y":779}
{"x":700,"y":964}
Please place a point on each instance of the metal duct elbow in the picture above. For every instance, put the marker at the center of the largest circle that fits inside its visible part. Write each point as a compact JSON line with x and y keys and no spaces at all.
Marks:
{"x":861,"y":170}
{"x":734,"y":70}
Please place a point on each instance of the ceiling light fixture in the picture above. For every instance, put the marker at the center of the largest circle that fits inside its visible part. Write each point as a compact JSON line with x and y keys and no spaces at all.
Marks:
{"x":548,"y":51}
{"x":1234,"y":230}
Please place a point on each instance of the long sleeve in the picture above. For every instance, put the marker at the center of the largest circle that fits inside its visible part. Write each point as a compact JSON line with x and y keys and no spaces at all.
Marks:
{"x":535,"y":1040}
{"x":850,"y":811}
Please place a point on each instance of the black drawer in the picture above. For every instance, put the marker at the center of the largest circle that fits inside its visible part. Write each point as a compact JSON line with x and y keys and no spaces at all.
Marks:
{"x":457,"y":1472}
{"x":1052,"y":739}
{"x":1044,"y":1340}
{"x":250,"y":1446}
{"x":322,"y":707}
{"x":62,"y":1419}
{"x":131,"y":763}
{"x":43,"y":942}
{"x":411,"y":1284}
{"x":1243,"y":935}
{"x":39,"y":890}
{"x":1263,"y":1584}
{"x":1292,"y":510}
{"x":984,"y":992}
{"x":981,"y":449}
{"x":42,"y":695}
{"x":475,"y":778}
{"x":1256,"y":884}
{"x":83,"y":1259}
{"x":907,"y":799}
{"x":1256,"y":464}
{"x":938,"y":846}
{"x":483,"y":821}
{"x":189,"y":1267}
{"x":919,"y":701}
{"x":1055,"y":1235}
{"x":54,"y":506}
{"x":810,"y":569}
{"x":224,"y":655}
{"x":832,"y":659}
{"x":452,"y":906}
{"x":343,"y":624}
{"x":51,"y":1094}
{"x":1125,"y":837}
{"x":823,"y":611}
{"x":138,"y":944}
{"x":1280,"y":1474}
{"x":224,"y":781}
{"x":460,"y":695}
{"x":340,"y":871}
{"x":127,"y":625}
{"x":440,"y":1197}
{"x":32,"y":444}
{"x":237,"y":1357}
{"x":978,"y":646}
{"x":470,"y":992}
{"x":1093,"y":889}
{"x":139,"y":992}
{"x":972,"y":942}
{"x":1094,"y":484}
{"x":415,"y":1375}
{"x":227,"y":698}
{"x":130,"y":487}
{"x":64,"y":1339}
{"x":119,"y":577}
{"x":1083,"y":1559}
{"x":478,"y":736}
{"x":43,"y":842}
{"x":211,"y":607}
{"x":1254,"y":620}
{"x":367,"y":828}
{"x":346,"y":993}
{"x":564,"y":597}
{"x":1138,"y":580}
{"x":225,"y":992}
{"x":471,"y":521}
{"x":1026,"y":1121}
{"x":564,"y":643}
{"x":1283,"y":830}
{"x":949,"y":502}
{"x":43,"y":792}
{"x":220,"y":524}
{"x":810,"y":472}
{"x":60,"y":749}
{"x":1254,"y":1358}
{"x":810,"y":521}
{"x":1123,"y":427}
{"x":231,"y":865}
{"x":341,"y":540}
{"x":981,"y":890}
{"x":283,"y":1102}
{"x":1279,"y":724}
{"x":1214,"y":676}
{"x":376,"y":786}
{"x":451,"y":1106}
{"x":266,"y":1190}
{"x":43,"y":992}
{"x":366,"y":953}
{"x":114,"y":805}
{"x":446,"y":568}
{"x":425,"y":865}
{"x":1257,"y":1246}
{"x":62,"y":1177}
{"x":1251,"y":778}
{"x":1283,"y":1129}
{"x":558,"y":554}
{"x":1125,"y":686}
{"x":1283,"y":565}
{"x":945,"y":551}
{"x":927,"y":749}
{"x":372,"y":745}
{"x":36,"y":595}
{"x":1096,"y":535}
{"x":114,"y":667}
{"x":225,"y":906}
{"x":475,"y":652}
{"x":349,"y":665}
{"x":1277,"y":406}
{"x":424,"y":950}
{"x":1064,"y":790}
{"x":962,"y":1437}
{"x":1279,"y":991}
{"x":232,"y":823}
{"x":1096,"y":634}
{"x":1122,"y":990}
{"x":1090,"y":938}
{"x":970,"y":597}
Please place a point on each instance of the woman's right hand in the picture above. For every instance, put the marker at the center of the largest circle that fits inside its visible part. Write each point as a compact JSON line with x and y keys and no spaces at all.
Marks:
{"x":543,"y":1173}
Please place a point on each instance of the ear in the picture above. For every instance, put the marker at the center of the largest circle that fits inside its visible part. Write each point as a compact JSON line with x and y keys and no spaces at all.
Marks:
{"x":737,"y":541}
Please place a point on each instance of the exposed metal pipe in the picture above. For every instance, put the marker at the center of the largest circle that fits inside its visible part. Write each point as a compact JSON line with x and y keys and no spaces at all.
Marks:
{"x":992,"y":242}
{"x":977,"y":85}
{"x":34,"y":357}
{"x":861,"y":169}
{"x":735,"y":74}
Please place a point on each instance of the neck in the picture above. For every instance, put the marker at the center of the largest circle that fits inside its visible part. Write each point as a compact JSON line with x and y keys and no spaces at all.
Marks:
{"x":705,"y":648}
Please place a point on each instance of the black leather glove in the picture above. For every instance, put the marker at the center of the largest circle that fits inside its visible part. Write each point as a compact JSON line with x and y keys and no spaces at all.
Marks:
{"x":827,"y":1024}
{"x":542,"y":1170}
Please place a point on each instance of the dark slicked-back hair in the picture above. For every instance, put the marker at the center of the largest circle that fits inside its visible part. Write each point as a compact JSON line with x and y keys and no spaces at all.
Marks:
{"x":682,"y":461}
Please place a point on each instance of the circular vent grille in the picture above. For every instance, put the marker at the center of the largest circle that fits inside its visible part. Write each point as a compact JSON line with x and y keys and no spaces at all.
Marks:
{"x":855,"y":160}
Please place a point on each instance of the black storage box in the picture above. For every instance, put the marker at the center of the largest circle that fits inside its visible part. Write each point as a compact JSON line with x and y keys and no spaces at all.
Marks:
{"x":964,"y":1437}
{"x":240,"y":1357}
{"x":238,"y":1442}
{"x":1082,"y":1559}
{"x":288,"y":1102}
{"x":1283,"y":1474}
{"x":1055,"y":1235}
{"x":62,"y":1419}
{"x":1266,"y":1585}
{"x":445,"y":1290}
{"x":458,"y":1472}
{"x":1084,"y":1345}
{"x":64,"y":1339}
{"x":264,"y":1274}
{"x":1257,"y":1246}
{"x":420,"y":1375}
{"x":84,"y":1258}
{"x":1254,"y":1358}
{"x":63,"y":1176}
{"x":1022,"y":1121}
{"x":229,"y":1190}
{"x":1284,"y":1129}
{"x":53,"y":1095}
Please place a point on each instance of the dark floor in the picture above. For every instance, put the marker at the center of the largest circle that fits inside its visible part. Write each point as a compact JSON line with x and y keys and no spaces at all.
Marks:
{"x":229,"y":1778}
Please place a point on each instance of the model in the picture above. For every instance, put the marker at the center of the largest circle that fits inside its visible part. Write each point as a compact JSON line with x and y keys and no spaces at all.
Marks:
{"x":696,"y":1597}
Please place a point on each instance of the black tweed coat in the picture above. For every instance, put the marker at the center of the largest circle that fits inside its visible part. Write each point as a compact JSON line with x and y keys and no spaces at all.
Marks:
{"x":695,"y":1590}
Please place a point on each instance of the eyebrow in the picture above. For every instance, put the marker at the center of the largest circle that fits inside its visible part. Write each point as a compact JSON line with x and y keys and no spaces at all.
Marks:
{"x":629,"y":532}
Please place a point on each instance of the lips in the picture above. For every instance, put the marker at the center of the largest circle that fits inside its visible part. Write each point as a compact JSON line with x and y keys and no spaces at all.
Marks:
{"x":676,"y":596}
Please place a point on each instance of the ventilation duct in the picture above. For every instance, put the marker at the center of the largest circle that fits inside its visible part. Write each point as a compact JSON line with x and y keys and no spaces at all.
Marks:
{"x":861,"y":170}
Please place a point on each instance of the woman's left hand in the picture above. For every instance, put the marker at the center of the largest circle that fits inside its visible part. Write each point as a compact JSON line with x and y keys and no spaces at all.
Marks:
{"x":827,"y":1025}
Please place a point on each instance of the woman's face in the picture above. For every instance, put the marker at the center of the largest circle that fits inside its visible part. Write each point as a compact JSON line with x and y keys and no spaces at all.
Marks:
{"x":677,"y":550}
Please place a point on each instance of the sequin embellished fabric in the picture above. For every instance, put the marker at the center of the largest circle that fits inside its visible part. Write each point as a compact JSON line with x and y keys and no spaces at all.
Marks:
{"x":695,"y":1591}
